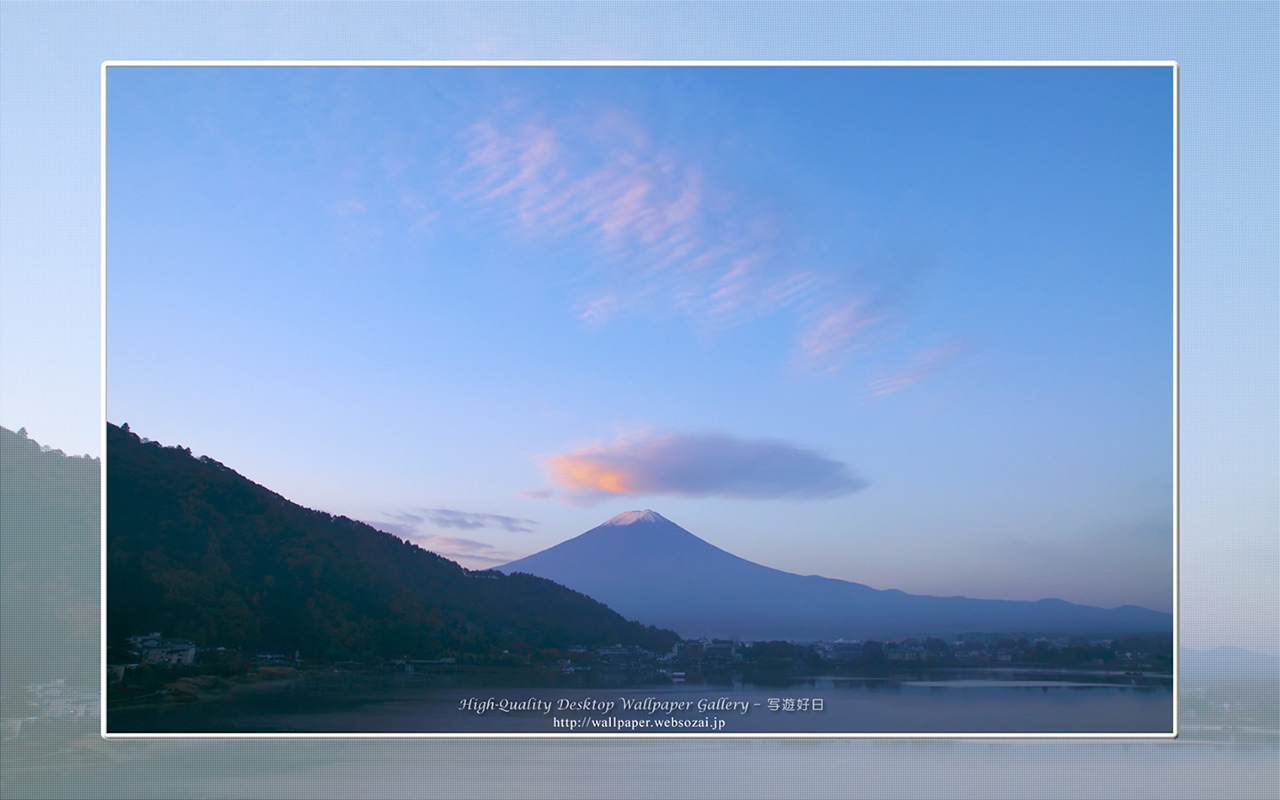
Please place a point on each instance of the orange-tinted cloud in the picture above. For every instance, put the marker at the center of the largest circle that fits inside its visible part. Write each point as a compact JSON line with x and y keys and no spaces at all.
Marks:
{"x":699,"y":465}
{"x":581,"y":472}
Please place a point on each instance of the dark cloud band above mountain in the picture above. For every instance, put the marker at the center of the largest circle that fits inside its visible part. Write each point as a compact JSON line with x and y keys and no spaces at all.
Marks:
{"x":700,"y":465}
{"x":466,"y":520}
{"x":463,"y":520}
{"x":416,"y":526}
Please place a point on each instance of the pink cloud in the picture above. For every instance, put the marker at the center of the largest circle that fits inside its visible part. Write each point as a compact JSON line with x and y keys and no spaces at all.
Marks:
{"x":626,"y":212}
{"x":829,"y":343}
{"x":598,"y":310}
{"x":500,"y":164}
{"x":642,"y":207}
{"x":922,"y":365}
{"x":738,"y":295}
{"x":665,"y":232}
{"x":791,"y":289}
{"x":485,"y":150}
{"x":536,"y":151}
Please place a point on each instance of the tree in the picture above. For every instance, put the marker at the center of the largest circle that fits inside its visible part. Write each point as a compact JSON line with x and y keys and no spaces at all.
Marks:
{"x":935,"y":645}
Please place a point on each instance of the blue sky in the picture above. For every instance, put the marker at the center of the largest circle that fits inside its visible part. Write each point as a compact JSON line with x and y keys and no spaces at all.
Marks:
{"x":909,"y":327}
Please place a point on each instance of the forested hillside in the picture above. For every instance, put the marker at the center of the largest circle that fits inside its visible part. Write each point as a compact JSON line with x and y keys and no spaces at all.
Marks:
{"x":194,"y":549}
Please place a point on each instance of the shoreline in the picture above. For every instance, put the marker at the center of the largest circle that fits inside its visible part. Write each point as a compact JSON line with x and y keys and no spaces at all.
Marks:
{"x":212,"y":687}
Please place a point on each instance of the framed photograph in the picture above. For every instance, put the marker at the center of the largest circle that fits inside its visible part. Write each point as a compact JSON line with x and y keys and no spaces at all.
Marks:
{"x":600,"y":399}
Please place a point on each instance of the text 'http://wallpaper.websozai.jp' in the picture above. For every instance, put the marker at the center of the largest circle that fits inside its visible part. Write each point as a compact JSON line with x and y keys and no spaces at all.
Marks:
{"x":906,"y":329}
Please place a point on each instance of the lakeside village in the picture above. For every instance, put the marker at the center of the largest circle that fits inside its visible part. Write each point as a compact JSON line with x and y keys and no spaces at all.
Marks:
{"x":163,"y":669}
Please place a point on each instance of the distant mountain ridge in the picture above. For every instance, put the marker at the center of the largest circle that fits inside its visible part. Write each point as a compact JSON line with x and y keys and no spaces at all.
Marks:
{"x":648,"y":568}
{"x":195,"y":549}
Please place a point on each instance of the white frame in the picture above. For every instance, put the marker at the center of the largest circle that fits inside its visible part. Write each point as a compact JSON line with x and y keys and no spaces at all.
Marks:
{"x":109,"y":64}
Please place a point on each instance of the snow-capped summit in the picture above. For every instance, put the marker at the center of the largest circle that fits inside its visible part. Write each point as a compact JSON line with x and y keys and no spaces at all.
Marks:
{"x":648,"y":568}
{"x":629,"y":517}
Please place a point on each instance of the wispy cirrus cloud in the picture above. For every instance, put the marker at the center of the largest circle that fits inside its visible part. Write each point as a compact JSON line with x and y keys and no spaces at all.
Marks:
{"x":452,"y":518}
{"x":556,"y":182}
{"x":348,"y":208}
{"x":831,"y":340}
{"x":537,"y":494}
{"x":667,"y":231}
{"x":670,"y":236}
{"x":418,"y":526}
{"x":922,"y":365}
{"x":467,"y":552}
{"x":463,"y":520}
{"x":698,"y":465}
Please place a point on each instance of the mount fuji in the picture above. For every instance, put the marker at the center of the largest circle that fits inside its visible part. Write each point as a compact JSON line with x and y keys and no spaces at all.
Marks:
{"x":648,"y":568}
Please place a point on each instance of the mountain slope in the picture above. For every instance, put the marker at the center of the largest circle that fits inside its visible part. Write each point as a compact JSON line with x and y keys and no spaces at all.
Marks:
{"x":195,"y":549}
{"x":49,"y":544}
{"x":648,"y":568}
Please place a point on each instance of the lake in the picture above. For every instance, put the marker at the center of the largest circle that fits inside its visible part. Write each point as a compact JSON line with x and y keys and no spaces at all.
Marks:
{"x":939,"y":702}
